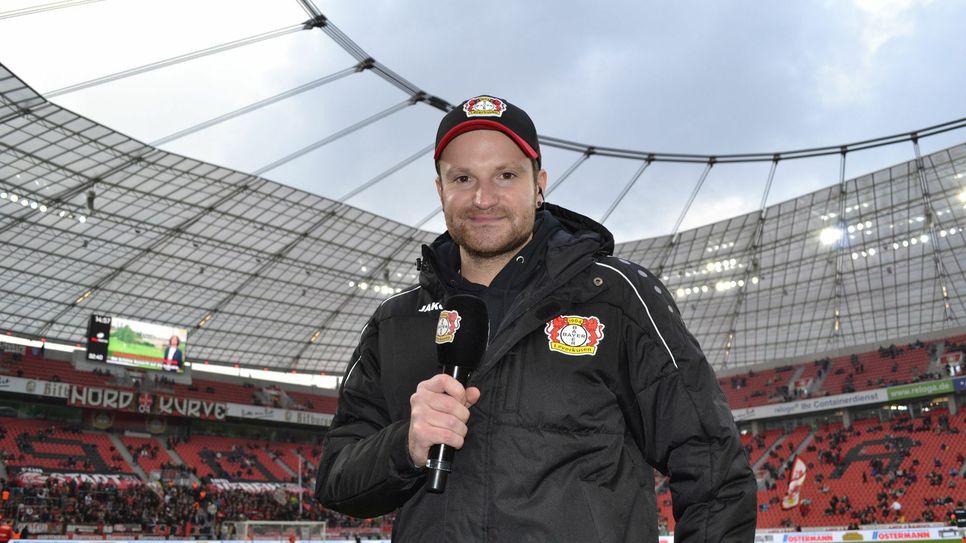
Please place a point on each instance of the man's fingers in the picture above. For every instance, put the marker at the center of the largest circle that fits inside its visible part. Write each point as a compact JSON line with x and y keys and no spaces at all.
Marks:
{"x":422,"y":436}
{"x":472,"y":396}
{"x":446,"y":404}
{"x":444,"y":384}
{"x":455,"y":422}
{"x":439,"y":412}
{"x":427,"y":436}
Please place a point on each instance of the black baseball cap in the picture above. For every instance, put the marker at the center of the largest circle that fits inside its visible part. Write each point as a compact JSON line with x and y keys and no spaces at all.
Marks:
{"x":489,"y":113}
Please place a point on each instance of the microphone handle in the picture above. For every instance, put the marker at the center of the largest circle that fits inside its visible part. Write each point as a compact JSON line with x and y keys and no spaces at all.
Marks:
{"x":440,"y":461}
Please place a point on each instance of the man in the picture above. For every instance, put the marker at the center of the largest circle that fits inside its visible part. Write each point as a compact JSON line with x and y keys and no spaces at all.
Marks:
{"x":589,"y":375}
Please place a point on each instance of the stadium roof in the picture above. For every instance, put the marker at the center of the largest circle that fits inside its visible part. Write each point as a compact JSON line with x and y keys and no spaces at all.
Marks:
{"x":267,"y":275}
{"x":270,"y":276}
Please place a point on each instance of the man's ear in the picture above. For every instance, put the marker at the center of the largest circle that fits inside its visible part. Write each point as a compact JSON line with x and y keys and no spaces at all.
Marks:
{"x":541,"y":186}
{"x":439,"y":189}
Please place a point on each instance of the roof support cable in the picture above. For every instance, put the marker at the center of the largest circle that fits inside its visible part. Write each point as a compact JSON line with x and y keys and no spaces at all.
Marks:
{"x":753,"y":157}
{"x":625,"y":190}
{"x":329,"y":139}
{"x":694,"y":194}
{"x":573,"y":167}
{"x":174,"y":60}
{"x":44,"y":7}
{"x":673,"y":239}
{"x":259,"y":104}
{"x":353,"y":49}
{"x":383,"y":71}
{"x":428,"y":217}
{"x":382,"y":176}
{"x":930,"y":231}
{"x":750,"y":275}
{"x":841,"y":247}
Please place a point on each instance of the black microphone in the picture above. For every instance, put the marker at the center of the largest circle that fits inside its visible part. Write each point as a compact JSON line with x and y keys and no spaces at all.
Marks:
{"x":461,"y":335}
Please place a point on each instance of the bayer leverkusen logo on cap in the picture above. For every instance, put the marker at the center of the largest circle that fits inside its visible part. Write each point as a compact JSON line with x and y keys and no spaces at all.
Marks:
{"x":484,"y":106}
{"x":487,"y":112}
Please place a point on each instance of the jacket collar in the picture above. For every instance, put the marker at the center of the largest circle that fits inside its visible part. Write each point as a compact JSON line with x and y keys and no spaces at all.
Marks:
{"x":578,"y":240}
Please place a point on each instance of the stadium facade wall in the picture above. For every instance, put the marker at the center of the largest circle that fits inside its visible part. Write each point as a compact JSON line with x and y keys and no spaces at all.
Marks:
{"x":161,"y":404}
{"x":840,"y":401}
{"x":128,"y":401}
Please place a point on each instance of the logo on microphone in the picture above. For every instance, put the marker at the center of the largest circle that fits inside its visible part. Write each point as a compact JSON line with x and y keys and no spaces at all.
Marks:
{"x":447,"y":325}
{"x":574,"y":335}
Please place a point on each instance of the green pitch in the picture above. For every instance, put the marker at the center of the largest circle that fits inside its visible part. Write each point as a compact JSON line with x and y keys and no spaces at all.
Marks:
{"x":139,"y":349}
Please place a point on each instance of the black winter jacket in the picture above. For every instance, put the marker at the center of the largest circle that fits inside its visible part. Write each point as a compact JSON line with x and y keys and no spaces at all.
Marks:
{"x":591,"y":377}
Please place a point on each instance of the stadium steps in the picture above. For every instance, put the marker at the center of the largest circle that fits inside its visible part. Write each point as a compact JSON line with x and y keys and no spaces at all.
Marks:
{"x":819,"y":382}
{"x":799,"y":370}
{"x":285,"y":468}
{"x":136,"y":441}
{"x":126,"y":455}
{"x":934,"y":365}
{"x":178,"y":460}
{"x":305,"y":460}
{"x":799,"y":450}
{"x":802,"y":446}
{"x":765,"y":455}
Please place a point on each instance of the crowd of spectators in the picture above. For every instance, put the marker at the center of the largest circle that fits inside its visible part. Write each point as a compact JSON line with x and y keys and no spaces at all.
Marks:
{"x":25,"y":444}
{"x":188,"y":510}
{"x":241,"y":459}
{"x":892,"y":480}
{"x":779,"y":388}
{"x":147,"y":450}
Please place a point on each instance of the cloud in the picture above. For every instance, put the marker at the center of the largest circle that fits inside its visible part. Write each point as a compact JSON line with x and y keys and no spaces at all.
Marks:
{"x":885,"y":20}
{"x":856,"y":70}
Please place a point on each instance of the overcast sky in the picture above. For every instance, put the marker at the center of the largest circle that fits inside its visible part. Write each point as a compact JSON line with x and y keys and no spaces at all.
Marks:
{"x":691,"y":77}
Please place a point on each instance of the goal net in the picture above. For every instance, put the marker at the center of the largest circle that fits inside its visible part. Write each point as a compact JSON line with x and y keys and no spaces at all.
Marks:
{"x":274,"y":530}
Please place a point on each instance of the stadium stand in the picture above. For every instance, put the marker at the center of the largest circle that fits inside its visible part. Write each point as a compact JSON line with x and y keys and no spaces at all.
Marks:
{"x":151,"y":511}
{"x":855,"y":475}
{"x":858,"y":473}
{"x":43,"y":444}
{"x":232,"y":458}
{"x":31,"y":366}
{"x":289,"y":453}
{"x":756,"y":388}
{"x":312,"y":402}
{"x":758,"y":445}
{"x":149,"y":453}
{"x":890,"y":366}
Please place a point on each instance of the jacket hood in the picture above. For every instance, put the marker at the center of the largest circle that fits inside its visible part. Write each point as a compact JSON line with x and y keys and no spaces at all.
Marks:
{"x":581,"y":226}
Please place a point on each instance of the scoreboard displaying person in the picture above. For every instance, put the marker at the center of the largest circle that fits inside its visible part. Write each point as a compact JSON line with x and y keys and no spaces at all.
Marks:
{"x":136,"y":344}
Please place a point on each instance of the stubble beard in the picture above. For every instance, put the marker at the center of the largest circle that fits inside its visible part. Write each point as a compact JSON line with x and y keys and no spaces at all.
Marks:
{"x":517,"y":239}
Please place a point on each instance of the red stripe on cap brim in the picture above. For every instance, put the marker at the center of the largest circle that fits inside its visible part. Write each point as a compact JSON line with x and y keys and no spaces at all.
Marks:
{"x":483,"y":124}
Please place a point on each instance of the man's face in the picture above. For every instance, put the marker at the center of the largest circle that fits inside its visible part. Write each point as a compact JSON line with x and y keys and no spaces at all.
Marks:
{"x":489,"y":195}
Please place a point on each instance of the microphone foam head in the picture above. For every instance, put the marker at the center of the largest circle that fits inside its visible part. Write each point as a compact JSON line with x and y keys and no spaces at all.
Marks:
{"x":462,"y":331}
